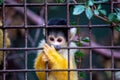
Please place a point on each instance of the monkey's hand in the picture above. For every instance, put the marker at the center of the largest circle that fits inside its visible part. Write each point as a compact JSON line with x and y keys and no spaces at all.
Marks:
{"x":53,"y":56}
{"x":44,"y":57}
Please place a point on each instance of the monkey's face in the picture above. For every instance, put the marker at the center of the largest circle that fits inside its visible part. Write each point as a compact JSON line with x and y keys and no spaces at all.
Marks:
{"x":57,"y":39}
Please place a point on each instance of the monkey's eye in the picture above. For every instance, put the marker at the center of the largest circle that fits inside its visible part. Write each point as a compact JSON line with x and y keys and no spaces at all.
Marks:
{"x":59,"y":39}
{"x":51,"y":39}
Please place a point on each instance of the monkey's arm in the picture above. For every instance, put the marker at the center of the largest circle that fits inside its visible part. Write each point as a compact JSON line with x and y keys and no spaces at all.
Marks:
{"x":40,"y":65}
{"x":56,"y":61}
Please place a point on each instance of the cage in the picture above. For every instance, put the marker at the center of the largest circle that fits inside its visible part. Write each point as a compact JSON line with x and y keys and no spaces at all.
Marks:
{"x":97,"y":36}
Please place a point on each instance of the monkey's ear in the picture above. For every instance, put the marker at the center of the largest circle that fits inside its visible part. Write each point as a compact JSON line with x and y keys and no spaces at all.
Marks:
{"x":73,"y":32}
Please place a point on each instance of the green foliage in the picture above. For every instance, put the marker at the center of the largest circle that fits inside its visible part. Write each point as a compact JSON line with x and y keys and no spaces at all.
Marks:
{"x":73,"y":23}
{"x":99,"y":7}
{"x":117,"y":28}
{"x":89,"y":12}
{"x":78,"y":9}
{"x":96,"y":12}
{"x":99,"y":11}
{"x":79,"y":44}
{"x":104,"y":0}
{"x":103,"y":12}
{"x":82,"y":74}
{"x":90,"y":3}
{"x":86,"y":39}
{"x":80,"y":54}
{"x":91,"y":9}
{"x":114,"y":17}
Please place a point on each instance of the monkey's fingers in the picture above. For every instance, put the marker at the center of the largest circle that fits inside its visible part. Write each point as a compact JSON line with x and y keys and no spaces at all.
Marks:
{"x":47,"y":46}
{"x":45,"y":51}
{"x":52,"y":47}
{"x":45,"y":58}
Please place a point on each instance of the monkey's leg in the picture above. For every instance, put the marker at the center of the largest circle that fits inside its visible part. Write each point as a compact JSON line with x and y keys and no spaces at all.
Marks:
{"x":40,"y":65}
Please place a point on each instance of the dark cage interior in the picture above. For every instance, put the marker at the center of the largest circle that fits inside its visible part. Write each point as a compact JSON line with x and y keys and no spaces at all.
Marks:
{"x":92,"y":27}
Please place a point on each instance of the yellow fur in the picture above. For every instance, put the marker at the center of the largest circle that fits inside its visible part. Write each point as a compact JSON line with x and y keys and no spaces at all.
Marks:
{"x":1,"y":44}
{"x":55,"y":61}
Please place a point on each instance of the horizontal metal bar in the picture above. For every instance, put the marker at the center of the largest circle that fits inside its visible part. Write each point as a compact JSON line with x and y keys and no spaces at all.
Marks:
{"x":58,"y":26}
{"x":49,"y":70}
{"x":49,"y":4}
{"x":22,"y":5}
{"x":87,"y":47}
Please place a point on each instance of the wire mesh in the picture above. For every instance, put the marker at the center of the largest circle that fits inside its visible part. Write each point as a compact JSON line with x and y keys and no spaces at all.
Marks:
{"x":41,"y":23}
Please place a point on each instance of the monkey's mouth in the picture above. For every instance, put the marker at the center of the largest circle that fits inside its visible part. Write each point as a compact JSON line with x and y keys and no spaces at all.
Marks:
{"x":57,"y":47}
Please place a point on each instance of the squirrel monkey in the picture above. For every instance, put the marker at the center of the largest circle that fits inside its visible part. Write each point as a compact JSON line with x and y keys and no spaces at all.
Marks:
{"x":1,"y":43}
{"x":56,"y":58}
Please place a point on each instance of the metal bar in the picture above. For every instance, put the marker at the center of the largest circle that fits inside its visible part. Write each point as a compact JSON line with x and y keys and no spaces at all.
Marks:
{"x":58,"y":26}
{"x":4,"y":39}
{"x":68,"y":20}
{"x":90,"y":44}
{"x":49,"y":70}
{"x":46,"y":33}
{"x":112,"y":43}
{"x":25,"y":25}
{"x":11,"y":4}
{"x":87,"y":47}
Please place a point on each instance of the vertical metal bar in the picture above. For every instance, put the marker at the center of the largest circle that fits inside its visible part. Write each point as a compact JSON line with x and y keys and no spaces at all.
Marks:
{"x":68,"y":23}
{"x":4,"y":54}
{"x":4,"y":40}
{"x":90,"y":44}
{"x":25,"y":25}
{"x":46,"y":24}
{"x":112,"y":44}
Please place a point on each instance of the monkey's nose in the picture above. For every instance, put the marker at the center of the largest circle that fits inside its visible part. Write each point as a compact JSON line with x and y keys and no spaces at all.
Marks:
{"x":57,"y":47}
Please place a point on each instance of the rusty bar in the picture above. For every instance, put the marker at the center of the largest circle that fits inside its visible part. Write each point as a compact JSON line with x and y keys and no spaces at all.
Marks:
{"x":26,"y":41}
{"x":90,"y":44}
{"x":46,"y":35}
{"x":4,"y":39}
{"x":68,"y":20}
{"x":22,"y":5}
{"x":8,"y":3}
{"x":48,"y":70}
{"x":85,"y":47}
{"x":58,"y":26}
{"x":11,"y":4}
{"x":112,"y":43}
